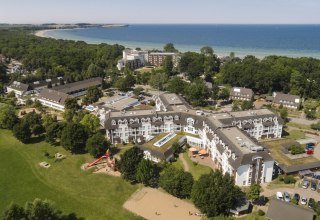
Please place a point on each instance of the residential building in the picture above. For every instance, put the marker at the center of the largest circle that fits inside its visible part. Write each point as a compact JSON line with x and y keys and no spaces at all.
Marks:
{"x":239,"y":93}
{"x":133,"y":58}
{"x":20,"y":89}
{"x":287,"y":100}
{"x":53,"y":99}
{"x":157,"y":58}
{"x":281,"y":210}
{"x":233,"y":149}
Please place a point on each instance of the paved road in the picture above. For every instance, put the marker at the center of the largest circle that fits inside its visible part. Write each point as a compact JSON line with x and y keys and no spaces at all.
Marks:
{"x":184,"y":162}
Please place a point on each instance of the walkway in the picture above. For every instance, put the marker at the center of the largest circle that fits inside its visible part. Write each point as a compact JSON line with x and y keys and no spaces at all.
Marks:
{"x":184,"y":162}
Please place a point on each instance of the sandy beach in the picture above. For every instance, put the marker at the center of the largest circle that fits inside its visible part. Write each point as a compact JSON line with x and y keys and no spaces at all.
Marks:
{"x":41,"y":33}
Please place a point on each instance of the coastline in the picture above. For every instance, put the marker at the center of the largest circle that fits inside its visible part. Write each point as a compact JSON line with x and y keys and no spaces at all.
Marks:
{"x":219,"y":50}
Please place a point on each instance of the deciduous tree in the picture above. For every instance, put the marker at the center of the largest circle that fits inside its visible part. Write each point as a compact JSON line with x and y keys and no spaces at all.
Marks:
{"x":129,"y":163}
{"x":97,"y":145}
{"x":74,"y":137}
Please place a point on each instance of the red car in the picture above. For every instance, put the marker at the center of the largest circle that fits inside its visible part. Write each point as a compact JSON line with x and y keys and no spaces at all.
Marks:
{"x":309,"y":152}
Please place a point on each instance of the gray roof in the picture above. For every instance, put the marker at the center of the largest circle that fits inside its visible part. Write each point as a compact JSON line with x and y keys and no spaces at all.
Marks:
{"x":79,"y":86}
{"x":20,"y":86}
{"x":297,"y":168}
{"x":281,"y":98}
{"x":280,"y":210}
{"x":53,"y":96}
{"x":235,"y":91}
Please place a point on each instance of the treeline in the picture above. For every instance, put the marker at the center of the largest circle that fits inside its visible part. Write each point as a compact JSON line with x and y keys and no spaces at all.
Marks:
{"x":297,"y":76}
{"x":48,"y":58}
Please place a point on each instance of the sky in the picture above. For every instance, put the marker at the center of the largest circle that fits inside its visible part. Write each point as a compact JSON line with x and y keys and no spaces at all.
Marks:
{"x":161,"y":11}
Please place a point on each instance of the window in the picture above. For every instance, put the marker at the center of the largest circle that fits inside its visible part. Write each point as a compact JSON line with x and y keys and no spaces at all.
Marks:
{"x":244,"y":183}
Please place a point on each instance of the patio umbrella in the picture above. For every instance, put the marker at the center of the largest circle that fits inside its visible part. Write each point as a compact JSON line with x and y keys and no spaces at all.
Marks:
{"x":192,"y":149}
{"x":203,"y":151}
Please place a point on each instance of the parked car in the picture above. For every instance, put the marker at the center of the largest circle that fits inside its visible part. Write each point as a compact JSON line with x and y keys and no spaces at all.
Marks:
{"x":313,"y":185}
{"x":303,"y":200}
{"x":296,"y":196}
{"x":306,"y":184}
{"x":279,"y":195}
{"x":286,"y":197}
{"x":311,"y":203}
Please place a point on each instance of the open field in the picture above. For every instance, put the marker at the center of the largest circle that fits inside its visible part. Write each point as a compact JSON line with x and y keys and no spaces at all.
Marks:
{"x":93,"y":196}
{"x":196,"y":169}
{"x":300,"y":126}
{"x":294,"y":134}
{"x":275,"y":149}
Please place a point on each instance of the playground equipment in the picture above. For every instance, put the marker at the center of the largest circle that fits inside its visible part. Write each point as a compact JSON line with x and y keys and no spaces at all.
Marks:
{"x":110,"y":162}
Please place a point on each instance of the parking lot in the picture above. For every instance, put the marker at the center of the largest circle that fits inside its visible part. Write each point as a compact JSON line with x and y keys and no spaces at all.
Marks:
{"x":308,"y":193}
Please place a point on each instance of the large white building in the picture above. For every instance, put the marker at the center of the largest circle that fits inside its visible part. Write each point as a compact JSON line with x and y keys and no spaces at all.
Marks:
{"x":229,"y":138}
{"x":133,"y":58}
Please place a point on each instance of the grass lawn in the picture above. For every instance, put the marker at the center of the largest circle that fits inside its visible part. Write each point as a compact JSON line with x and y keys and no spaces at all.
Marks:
{"x":300,"y":126}
{"x":279,"y":184}
{"x":196,"y":170}
{"x":276,"y":153}
{"x":294,"y":134}
{"x":93,"y":196}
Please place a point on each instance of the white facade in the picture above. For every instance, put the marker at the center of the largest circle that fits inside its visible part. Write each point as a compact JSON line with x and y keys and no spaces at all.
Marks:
{"x":51,"y":104}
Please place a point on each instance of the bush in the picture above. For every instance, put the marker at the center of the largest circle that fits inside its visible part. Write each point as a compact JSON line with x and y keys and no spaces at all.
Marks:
{"x":289,"y":180}
{"x":296,"y":149}
{"x":281,"y":178}
{"x":261,"y":212}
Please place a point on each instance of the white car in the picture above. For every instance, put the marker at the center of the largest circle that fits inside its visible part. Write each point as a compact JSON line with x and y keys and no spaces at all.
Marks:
{"x":303,"y":200}
{"x":279,"y":195}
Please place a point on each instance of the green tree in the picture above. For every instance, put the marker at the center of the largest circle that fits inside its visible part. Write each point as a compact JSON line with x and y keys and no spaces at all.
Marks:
{"x":29,"y":102}
{"x":168,"y":65}
{"x":11,"y":94}
{"x":158,"y":80}
{"x":223,"y":94}
{"x":48,"y":119}
{"x":91,"y":123}
{"x":71,"y":104}
{"x":176,"y":182}
{"x":214,"y":194}
{"x":169,"y":47}
{"x":137,"y":91}
{"x":147,"y":173}
{"x":68,"y":115}
{"x":93,"y":95}
{"x":246,"y":105}
{"x":8,"y":116}
{"x":253,"y":192}
{"x":97,"y":145}
{"x":42,"y":209}
{"x":53,"y":132}
{"x":34,"y":121}
{"x":197,"y":93}
{"x":14,"y":212}
{"x":22,"y":132}
{"x":74,"y":137}
{"x":129,"y":163}
{"x":284,"y":114}
{"x":176,"y":85}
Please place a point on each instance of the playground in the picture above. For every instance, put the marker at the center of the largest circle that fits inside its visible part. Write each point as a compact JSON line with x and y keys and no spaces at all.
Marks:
{"x":154,"y":204}
{"x":105,"y":164}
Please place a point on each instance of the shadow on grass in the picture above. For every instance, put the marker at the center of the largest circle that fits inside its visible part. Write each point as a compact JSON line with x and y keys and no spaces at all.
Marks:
{"x":38,"y":139}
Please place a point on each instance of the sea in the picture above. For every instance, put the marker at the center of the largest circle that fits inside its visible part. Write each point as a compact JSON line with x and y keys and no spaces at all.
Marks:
{"x":257,"y":40}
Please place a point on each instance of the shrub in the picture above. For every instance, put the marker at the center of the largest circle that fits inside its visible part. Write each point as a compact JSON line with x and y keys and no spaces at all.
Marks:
{"x":289,"y":180}
{"x":296,"y":149}
{"x":261,"y":212}
{"x":281,"y":178}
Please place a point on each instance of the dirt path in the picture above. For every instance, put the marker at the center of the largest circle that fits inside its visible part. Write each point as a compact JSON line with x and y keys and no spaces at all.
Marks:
{"x":184,"y":162}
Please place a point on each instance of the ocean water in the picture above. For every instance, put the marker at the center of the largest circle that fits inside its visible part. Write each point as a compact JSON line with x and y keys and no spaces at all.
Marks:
{"x":258,"y":40}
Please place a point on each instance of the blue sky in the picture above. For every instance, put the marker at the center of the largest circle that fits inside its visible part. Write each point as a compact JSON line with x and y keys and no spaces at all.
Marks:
{"x":161,"y":11}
